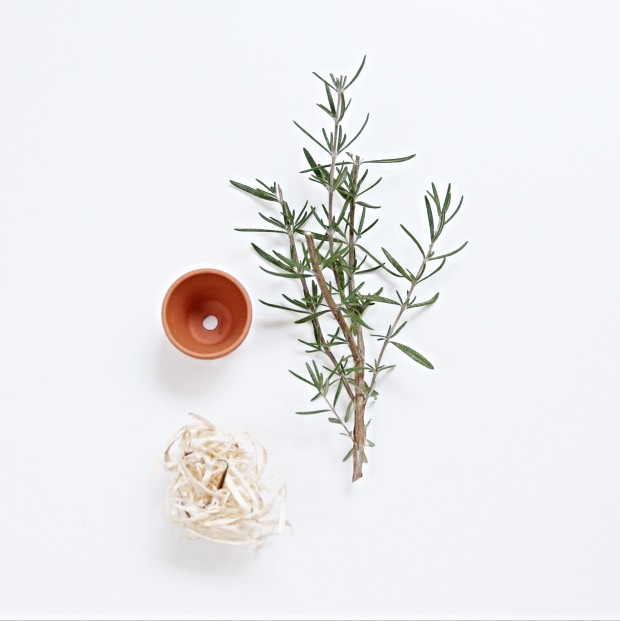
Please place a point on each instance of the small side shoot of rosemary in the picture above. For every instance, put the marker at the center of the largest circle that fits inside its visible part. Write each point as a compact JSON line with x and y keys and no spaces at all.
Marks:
{"x":325,"y":250}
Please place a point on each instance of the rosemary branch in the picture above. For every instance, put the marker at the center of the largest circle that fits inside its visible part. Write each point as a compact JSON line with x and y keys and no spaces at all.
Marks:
{"x":328,"y":274}
{"x":394,"y":325}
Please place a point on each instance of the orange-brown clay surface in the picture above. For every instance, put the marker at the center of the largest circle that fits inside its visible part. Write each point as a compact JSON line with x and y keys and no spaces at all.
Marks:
{"x":200,"y":294}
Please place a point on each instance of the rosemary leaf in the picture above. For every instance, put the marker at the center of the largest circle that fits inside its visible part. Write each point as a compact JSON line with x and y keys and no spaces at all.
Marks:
{"x":254,"y":191}
{"x":448,"y":254}
{"x":414,"y":355}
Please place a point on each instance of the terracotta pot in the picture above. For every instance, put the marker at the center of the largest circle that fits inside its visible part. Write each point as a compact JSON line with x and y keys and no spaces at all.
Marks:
{"x":206,"y":313}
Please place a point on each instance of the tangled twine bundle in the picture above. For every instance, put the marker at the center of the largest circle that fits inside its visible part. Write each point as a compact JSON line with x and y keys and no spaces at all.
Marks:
{"x":218,"y":493}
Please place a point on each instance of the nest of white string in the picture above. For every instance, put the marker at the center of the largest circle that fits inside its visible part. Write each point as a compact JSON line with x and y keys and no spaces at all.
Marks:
{"x":218,"y":491}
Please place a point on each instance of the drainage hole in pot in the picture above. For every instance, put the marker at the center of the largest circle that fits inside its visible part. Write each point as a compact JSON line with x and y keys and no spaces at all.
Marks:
{"x":210,"y":322}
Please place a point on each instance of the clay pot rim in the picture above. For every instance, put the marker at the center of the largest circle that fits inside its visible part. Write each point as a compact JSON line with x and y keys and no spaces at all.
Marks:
{"x":234,"y":344}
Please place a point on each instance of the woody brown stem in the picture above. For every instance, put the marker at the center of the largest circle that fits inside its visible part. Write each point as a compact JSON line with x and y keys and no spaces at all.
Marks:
{"x":359,"y":426}
{"x":329,"y":299}
{"x":316,"y":326}
{"x":356,"y":346}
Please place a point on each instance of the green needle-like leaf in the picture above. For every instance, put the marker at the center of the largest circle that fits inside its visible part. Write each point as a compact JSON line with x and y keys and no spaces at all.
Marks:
{"x":299,"y":377}
{"x":280,"y":274}
{"x":382,"y":300}
{"x":357,"y":73}
{"x":370,"y":187}
{"x":295,"y":302}
{"x":349,"y":412}
{"x":398,"y":330}
{"x":271,"y":189}
{"x":319,"y":171}
{"x":370,"y":226}
{"x":267,"y":257}
{"x":358,"y":320}
{"x":412,"y":237}
{"x":311,"y":136}
{"x":380,"y":264}
{"x":330,"y":99}
{"x":435,"y":196}
{"x":314,"y":73}
{"x":429,"y":214}
{"x":427,"y":303}
{"x":448,"y":199}
{"x":456,"y":210}
{"x":286,"y":308}
{"x":396,"y":264}
{"x":393,"y":160}
{"x":272,"y":221}
{"x":326,"y":110}
{"x":448,"y":254}
{"x":254,"y":191}
{"x":443,"y":262}
{"x":312,"y":316}
{"x":356,"y":135}
{"x":260,"y":231}
{"x":414,"y":355}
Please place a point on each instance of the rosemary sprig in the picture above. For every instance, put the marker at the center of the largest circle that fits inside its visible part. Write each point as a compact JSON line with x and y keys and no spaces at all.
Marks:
{"x":327,"y":253}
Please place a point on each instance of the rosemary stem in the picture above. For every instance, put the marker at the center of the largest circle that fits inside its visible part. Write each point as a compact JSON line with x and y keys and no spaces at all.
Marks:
{"x":359,"y":427}
{"x":329,"y":299}
{"x":316,"y":325}
{"x":332,"y":169}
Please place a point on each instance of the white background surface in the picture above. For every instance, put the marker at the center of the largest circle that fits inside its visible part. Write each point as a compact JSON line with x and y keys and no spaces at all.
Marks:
{"x":494,"y":488}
